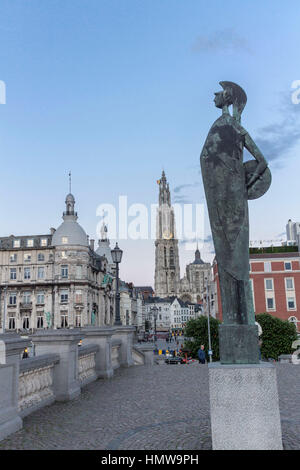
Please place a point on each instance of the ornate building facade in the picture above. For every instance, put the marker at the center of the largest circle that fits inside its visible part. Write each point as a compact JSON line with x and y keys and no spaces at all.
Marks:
{"x":167,"y":282}
{"x":54,"y":280}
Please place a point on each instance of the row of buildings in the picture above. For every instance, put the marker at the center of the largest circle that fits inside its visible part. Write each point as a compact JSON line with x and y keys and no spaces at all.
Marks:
{"x":61,"y":280}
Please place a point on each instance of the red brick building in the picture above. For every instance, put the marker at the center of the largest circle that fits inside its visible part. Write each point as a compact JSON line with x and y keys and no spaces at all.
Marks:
{"x":275,"y":280}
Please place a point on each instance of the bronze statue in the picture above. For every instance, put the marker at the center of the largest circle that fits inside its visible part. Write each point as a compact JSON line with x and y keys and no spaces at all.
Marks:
{"x":228,"y":184}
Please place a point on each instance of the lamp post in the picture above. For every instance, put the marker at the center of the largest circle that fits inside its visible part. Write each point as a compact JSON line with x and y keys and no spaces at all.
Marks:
{"x":208,"y":322}
{"x":116,"y":254}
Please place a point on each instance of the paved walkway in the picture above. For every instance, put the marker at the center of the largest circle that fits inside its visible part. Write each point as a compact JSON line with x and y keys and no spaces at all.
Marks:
{"x":154,"y":408}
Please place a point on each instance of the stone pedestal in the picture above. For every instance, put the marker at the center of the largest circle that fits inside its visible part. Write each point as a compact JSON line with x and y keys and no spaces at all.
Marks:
{"x":65,"y":344}
{"x":244,"y":407}
{"x":125,"y":334}
{"x":238,"y":344}
{"x":102,"y":336}
{"x":11,"y":348}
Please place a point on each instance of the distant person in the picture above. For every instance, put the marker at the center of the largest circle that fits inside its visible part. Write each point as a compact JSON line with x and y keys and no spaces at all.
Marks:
{"x":201,"y":355}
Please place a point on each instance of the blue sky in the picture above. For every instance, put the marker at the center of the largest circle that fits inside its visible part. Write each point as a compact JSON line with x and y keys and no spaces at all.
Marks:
{"x":116,"y":90}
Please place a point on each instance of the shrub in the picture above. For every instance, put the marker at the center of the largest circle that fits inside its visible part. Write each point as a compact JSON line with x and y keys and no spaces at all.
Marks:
{"x":277,"y":336}
{"x":197,"y":330}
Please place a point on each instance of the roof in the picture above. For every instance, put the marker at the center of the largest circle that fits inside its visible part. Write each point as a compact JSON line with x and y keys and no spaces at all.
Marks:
{"x":70,"y":229}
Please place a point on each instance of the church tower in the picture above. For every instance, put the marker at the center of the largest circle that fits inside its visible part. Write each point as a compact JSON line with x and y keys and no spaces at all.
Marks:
{"x":167,"y":275}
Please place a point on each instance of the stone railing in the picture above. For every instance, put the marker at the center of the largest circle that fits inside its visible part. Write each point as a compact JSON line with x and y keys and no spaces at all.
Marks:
{"x":143,"y":354}
{"x":87,"y":364}
{"x":60,"y":368}
{"x":36,"y":383}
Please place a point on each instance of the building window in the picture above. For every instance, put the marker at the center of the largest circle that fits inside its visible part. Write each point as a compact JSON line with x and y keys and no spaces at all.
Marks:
{"x":16,"y":244}
{"x":289,"y":283}
{"x":267,"y":266}
{"x":12,"y":323}
{"x":13,"y":258}
{"x":44,"y":241}
{"x":27,"y":257}
{"x":63,"y":255}
{"x":13,"y":298}
{"x":291,"y":303}
{"x":41,"y":257}
{"x":26,"y":273}
{"x":78,"y":272}
{"x":13,"y":273}
{"x":40,"y":298}
{"x":41,"y":272}
{"x":64,"y":271}
{"x":26,"y":297}
{"x":270,"y":303}
{"x":30,"y":243}
{"x":40,"y":321}
{"x":25,"y":323}
{"x":288,"y":266}
{"x":64,"y":319}
{"x":78,"y":320}
{"x":78,"y":297}
{"x":269,"y":284}
{"x":64,"y":240}
{"x":64,"y":296}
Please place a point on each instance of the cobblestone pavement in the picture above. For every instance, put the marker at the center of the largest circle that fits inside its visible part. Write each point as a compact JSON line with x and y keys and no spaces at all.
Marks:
{"x":164,"y":407}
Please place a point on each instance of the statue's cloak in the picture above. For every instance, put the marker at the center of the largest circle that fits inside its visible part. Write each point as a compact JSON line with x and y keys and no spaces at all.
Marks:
{"x":226,"y":195}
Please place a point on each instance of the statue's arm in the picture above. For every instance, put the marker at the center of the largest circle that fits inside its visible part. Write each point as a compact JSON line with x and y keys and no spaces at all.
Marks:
{"x":256,"y":153}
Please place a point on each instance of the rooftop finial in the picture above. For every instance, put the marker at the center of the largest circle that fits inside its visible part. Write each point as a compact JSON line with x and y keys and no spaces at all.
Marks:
{"x":70,"y":182}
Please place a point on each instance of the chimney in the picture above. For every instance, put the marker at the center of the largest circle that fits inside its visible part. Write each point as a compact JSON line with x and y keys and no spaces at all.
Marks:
{"x":52,"y":230}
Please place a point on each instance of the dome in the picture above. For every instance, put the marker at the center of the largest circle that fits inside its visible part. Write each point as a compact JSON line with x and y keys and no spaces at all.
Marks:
{"x":70,"y":232}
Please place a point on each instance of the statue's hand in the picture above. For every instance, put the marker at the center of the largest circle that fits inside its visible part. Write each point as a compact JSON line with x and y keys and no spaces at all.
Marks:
{"x":254,"y":178}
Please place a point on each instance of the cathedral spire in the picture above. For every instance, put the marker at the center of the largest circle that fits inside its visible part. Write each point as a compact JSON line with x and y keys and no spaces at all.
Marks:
{"x":164,"y":190}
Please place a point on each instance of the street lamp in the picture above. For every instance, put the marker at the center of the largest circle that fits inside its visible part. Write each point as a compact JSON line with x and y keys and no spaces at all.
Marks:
{"x":208,"y":321}
{"x":154,"y":311}
{"x":116,"y":254}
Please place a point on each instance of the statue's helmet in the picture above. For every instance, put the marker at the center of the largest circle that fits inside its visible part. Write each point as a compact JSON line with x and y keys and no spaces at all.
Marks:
{"x":235,"y":95}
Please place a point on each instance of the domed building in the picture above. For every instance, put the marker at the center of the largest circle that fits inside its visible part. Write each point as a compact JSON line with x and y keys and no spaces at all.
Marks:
{"x":56,"y":280}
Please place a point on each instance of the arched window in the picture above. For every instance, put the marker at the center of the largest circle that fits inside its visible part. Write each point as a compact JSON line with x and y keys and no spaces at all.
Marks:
{"x":197,"y":281}
{"x":172,"y":261}
{"x":165,"y":256}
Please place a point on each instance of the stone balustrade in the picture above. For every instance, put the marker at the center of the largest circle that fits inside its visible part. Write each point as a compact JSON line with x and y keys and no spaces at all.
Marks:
{"x":62,"y":366}
{"x":87,"y":364}
{"x":36,"y":383}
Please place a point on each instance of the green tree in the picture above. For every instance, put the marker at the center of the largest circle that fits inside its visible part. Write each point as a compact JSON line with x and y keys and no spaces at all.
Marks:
{"x":196,"y":329}
{"x":277,"y":335}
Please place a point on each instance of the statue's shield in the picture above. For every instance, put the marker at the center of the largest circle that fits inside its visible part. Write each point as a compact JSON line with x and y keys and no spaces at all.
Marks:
{"x":261,"y":185}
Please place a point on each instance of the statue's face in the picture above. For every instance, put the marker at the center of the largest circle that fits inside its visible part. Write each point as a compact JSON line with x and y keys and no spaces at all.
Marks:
{"x":219,"y":99}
